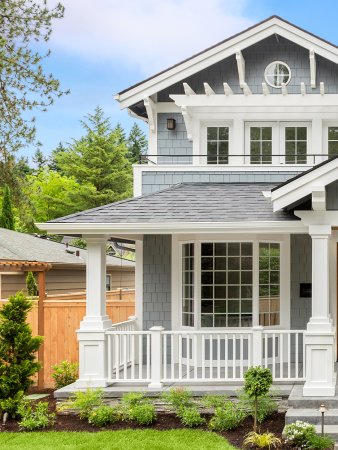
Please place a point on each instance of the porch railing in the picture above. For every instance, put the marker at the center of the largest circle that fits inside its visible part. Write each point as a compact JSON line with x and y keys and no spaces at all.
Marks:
{"x":159,"y":356}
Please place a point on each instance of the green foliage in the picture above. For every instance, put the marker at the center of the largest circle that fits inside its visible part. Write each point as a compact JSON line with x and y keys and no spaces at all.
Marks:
{"x":264,"y":440}
{"x":102,"y":416}
{"x":25,"y":87}
{"x":190,"y":417}
{"x":137,"y":144}
{"x":84,"y":402}
{"x":64,"y":373}
{"x":266,"y":405}
{"x":98,"y":159}
{"x":316,"y":442}
{"x":7,"y":216}
{"x":227,"y":417}
{"x":299,"y":433}
{"x":257,"y":382}
{"x":11,"y":404}
{"x":131,"y":399}
{"x":39,"y":159}
{"x":178,"y":398}
{"x":31,"y":285}
{"x":35,"y":416}
{"x":214,"y":401}
{"x":143,"y":413}
{"x":17,"y":347}
{"x":78,"y":242}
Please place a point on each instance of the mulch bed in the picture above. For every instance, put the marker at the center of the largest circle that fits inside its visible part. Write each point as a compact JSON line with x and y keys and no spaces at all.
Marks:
{"x":165,"y":421}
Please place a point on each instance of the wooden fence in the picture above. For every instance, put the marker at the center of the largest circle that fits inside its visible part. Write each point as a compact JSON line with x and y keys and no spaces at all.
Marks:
{"x":62,"y":315}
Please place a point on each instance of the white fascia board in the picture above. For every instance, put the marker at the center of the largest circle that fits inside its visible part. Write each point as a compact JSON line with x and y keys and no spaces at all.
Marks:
{"x":172,"y":228}
{"x":303,"y":186}
{"x":224,"y":50}
{"x":208,"y":168}
{"x":326,"y":218}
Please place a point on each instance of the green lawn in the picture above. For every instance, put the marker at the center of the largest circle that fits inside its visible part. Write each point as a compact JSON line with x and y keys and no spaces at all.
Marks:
{"x":122,"y":440}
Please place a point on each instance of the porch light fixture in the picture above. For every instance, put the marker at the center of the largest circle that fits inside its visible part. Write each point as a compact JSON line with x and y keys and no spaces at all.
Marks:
{"x":171,"y":124}
{"x":322,"y":410}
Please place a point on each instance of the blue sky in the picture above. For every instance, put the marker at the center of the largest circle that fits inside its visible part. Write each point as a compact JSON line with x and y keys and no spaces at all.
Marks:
{"x":102,"y":47}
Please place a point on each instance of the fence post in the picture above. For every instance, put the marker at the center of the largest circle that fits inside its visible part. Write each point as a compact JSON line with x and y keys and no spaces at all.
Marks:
{"x":156,"y":358}
{"x":257,"y":346}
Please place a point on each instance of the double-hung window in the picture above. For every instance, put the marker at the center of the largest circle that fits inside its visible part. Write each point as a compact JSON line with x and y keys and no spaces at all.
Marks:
{"x":218,"y":145}
{"x":332,"y":140}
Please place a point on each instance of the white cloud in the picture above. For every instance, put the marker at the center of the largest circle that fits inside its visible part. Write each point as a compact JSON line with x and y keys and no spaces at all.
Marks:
{"x":148,"y":35}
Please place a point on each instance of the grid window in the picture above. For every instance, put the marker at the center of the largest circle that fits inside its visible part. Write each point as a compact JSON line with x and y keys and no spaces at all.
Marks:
{"x":332,"y":136}
{"x":269,"y":284}
{"x":260,"y":145}
{"x":295,"y":145}
{"x":226,"y":284}
{"x":217,"y":145}
{"x":188,"y":285}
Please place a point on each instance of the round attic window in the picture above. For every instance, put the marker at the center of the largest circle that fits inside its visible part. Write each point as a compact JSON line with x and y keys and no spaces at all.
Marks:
{"x":277,"y":73}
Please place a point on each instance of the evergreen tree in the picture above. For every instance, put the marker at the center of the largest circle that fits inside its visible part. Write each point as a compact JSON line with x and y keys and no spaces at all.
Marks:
{"x":17,"y":349}
{"x":7,"y":216}
{"x":119,"y":133}
{"x":53,"y":165}
{"x":39,"y":159}
{"x":99,"y":159}
{"x":137,"y":144}
{"x":31,"y":285}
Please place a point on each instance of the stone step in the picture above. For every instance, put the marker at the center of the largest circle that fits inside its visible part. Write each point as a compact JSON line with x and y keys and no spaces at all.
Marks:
{"x":296,"y":400}
{"x":311,"y":416}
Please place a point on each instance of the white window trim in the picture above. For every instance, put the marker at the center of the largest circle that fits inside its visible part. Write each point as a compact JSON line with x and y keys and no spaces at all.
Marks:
{"x":278,"y":141}
{"x":204,"y":125}
{"x":177,"y":242}
{"x":326,"y":125}
{"x":277,"y":62}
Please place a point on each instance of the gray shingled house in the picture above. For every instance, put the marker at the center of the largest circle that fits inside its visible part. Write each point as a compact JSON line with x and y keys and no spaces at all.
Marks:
{"x":68,"y":272}
{"x":234,"y":216}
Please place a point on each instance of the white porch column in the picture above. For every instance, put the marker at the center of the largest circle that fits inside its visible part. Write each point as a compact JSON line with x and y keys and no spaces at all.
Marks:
{"x":91,"y":335}
{"x":320,"y":337}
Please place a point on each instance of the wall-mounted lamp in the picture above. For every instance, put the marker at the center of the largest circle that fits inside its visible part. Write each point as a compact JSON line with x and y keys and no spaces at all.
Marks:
{"x":322,"y":410}
{"x":171,"y":124}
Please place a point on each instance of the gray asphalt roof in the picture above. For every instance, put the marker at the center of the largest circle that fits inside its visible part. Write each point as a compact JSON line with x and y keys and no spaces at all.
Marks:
{"x":188,"y":202}
{"x":25,"y":247}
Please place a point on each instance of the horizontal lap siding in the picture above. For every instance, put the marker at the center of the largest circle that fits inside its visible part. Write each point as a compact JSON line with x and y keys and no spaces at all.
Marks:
{"x":157,"y":281}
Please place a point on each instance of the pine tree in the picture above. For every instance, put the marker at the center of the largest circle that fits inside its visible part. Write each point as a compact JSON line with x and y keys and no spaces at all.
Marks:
{"x":39,"y":159}
{"x":31,"y":285}
{"x":137,"y":144}
{"x":17,"y":349}
{"x":7,"y":216}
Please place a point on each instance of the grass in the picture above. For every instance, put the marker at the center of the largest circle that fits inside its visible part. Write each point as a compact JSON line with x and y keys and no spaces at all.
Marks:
{"x":124,"y":439}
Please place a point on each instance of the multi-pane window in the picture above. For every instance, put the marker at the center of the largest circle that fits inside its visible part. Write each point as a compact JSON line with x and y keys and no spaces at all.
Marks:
{"x":217,"y":145}
{"x":260,"y":145}
{"x":188,"y":285}
{"x":295,"y":145}
{"x":277,"y":73}
{"x":332,"y":136}
{"x":269,"y":284}
{"x":226,"y":284}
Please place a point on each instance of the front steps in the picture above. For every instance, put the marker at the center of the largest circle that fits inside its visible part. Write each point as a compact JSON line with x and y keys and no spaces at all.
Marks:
{"x":307,"y":410}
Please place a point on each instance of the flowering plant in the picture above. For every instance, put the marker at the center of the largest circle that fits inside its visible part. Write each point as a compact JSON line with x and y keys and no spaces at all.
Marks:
{"x":299,"y":432}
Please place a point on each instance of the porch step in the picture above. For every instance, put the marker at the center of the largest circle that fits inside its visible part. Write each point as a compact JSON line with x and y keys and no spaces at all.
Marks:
{"x":297,"y":401}
{"x":311,"y":416}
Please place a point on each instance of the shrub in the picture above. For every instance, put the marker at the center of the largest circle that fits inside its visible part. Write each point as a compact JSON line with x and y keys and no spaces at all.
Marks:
{"x":190,"y":417}
{"x":143,"y":413}
{"x":264,"y":440}
{"x":266,"y":405}
{"x":31,"y":285}
{"x":17,"y":348}
{"x":227,"y":417}
{"x":84,"y":402}
{"x":257,"y":382}
{"x":103,"y":415}
{"x":11,"y":404}
{"x":316,"y":442}
{"x":299,"y":433}
{"x":64,"y":373}
{"x":133,"y":398}
{"x":214,"y":401}
{"x":178,"y":398}
{"x":35,"y":416}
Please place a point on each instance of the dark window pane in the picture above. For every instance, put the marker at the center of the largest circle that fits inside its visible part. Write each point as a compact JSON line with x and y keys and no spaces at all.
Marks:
{"x":223,"y":133}
{"x":212,"y":133}
{"x":333,"y":133}
{"x":220,"y":249}
{"x":220,"y":277}
{"x":207,"y":249}
{"x":246,"y":249}
{"x":233,"y":277}
{"x":255,"y":133}
{"x":246,"y":277}
{"x":246,"y":306}
{"x":333,"y":148}
{"x":301,"y":133}
{"x":246,"y":263}
{"x":233,"y":263}
{"x":290,"y":133}
{"x":266,"y":133}
{"x":233,"y":321}
{"x":220,"y":320}
{"x":233,"y":292}
{"x":220,"y":306}
{"x":206,"y":320}
{"x":220,"y":292}
{"x":233,"y":249}
{"x":220,"y":263}
{"x":207,"y":292}
{"x":207,"y":306}
{"x":274,"y":277}
{"x":207,"y":263}
{"x":246,"y":292}
{"x":246,"y":320}
{"x":207,"y":277}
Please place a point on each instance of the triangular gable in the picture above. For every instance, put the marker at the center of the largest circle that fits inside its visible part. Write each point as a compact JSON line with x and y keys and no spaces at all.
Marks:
{"x":224,"y":49}
{"x":312,"y":182}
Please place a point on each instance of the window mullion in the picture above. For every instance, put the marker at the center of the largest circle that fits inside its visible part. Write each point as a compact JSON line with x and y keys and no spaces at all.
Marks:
{"x":255,"y":281}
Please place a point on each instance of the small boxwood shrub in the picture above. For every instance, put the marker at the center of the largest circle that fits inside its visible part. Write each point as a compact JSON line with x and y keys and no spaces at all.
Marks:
{"x":190,"y":417}
{"x":35,"y":416}
{"x":143,"y":413}
{"x":178,"y":398}
{"x":102,"y":416}
{"x":227,"y":417}
{"x":64,"y":373}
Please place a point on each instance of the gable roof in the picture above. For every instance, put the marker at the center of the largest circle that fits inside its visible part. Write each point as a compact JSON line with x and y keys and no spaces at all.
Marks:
{"x":224,"y":49}
{"x":17,"y":246}
{"x":187,"y":203}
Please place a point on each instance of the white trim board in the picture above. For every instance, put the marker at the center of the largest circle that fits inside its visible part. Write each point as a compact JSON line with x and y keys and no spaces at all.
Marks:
{"x":231,"y":46}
